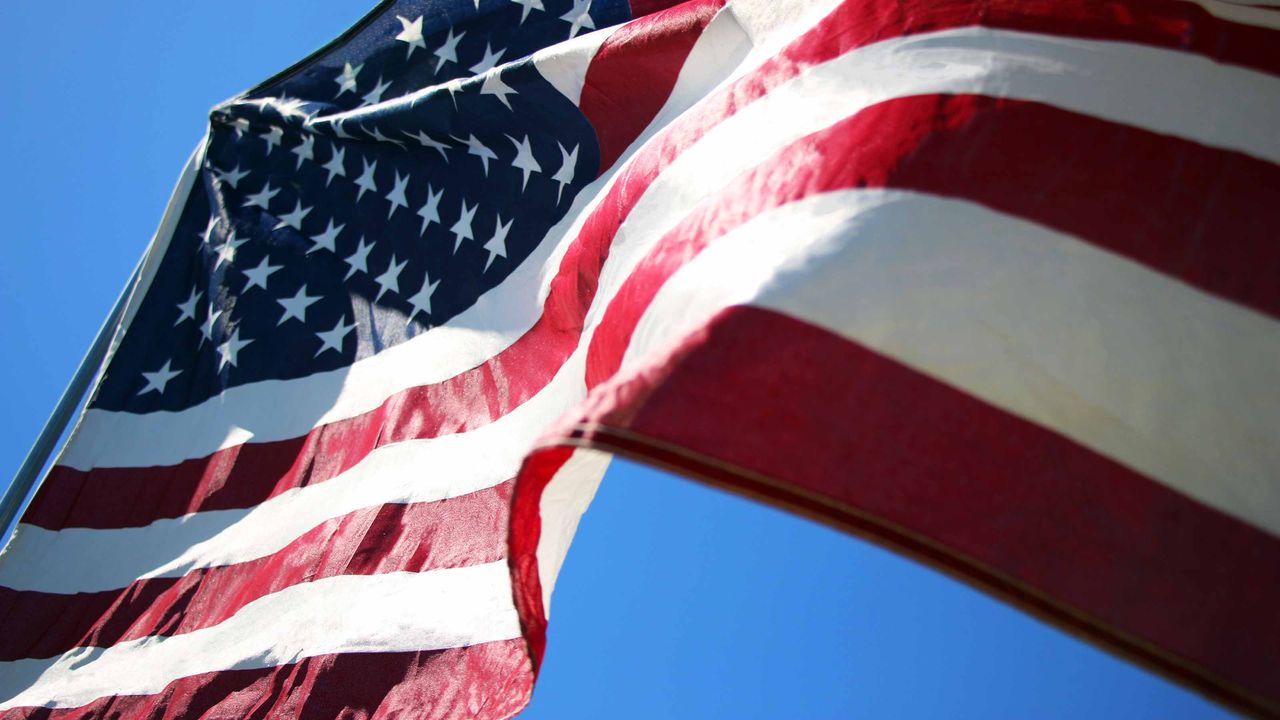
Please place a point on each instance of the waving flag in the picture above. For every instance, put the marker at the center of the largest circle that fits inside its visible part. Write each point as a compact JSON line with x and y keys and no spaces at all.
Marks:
{"x":991,"y":283}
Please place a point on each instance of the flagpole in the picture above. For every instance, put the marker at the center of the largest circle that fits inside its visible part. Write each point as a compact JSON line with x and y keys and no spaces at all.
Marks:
{"x":29,"y":473}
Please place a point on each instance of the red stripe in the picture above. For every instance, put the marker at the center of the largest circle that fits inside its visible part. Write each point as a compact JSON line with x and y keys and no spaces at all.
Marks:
{"x":641,"y":8}
{"x":466,"y":530}
{"x":526,"y":527}
{"x":246,"y":475}
{"x":1118,"y":187}
{"x":770,"y":406}
{"x":483,"y":682}
{"x":1184,"y":209}
{"x":1170,"y":24}
{"x":634,"y":71}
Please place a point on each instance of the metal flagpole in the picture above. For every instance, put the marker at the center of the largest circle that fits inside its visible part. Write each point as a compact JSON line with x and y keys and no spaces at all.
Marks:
{"x":29,"y":472}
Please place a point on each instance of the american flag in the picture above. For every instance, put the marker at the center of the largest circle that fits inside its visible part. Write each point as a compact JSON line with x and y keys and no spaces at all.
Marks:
{"x":992,"y":283}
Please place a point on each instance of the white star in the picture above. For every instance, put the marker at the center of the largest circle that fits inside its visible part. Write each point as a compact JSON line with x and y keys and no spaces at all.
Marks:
{"x":241,"y":126}
{"x":262,"y":103}
{"x":159,"y":379}
{"x":493,"y":85}
{"x":325,"y":240}
{"x":430,"y":212}
{"x":374,"y":96}
{"x":564,"y":176}
{"x":347,"y":78}
{"x":332,"y":339}
{"x":396,"y":196}
{"x":497,"y":245}
{"x":489,"y":61}
{"x":579,"y":17}
{"x":427,"y":141}
{"x":206,"y":237}
{"x":293,"y":218}
{"x":334,"y":166}
{"x":305,"y":151}
{"x":377,"y":135}
{"x":227,"y":250}
{"x":359,"y":260}
{"x":448,"y":52}
{"x":262,"y":198}
{"x":462,"y":228}
{"x":287,"y":106}
{"x":477,"y":148}
{"x":258,"y":275}
{"x":366,"y":181}
{"x":526,"y":6}
{"x":421,"y":300}
{"x":296,"y":306}
{"x":206,"y":327}
{"x":390,"y":278}
{"x":412,"y":34}
{"x":231,"y":177}
{"x":188,"y":308}
{"x":229,"y":350}
{"x":524,"y":159}
{"x":272,"y":138}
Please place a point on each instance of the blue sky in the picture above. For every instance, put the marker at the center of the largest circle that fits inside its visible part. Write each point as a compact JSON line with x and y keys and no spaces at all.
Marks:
{"x":676,"y":601}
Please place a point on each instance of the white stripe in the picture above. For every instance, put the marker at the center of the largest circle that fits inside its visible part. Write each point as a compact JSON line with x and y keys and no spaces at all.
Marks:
{"x":1166,"y":91}
{"x":393,"y":612}
{"x":87,"y":560}
{"x":563,"y":501}
{"x":1175,"y":383}
{"x":565,"y":64}
{"x":1259,"y":15}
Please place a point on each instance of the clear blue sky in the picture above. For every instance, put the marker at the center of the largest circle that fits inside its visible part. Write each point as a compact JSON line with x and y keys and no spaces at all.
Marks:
{"x":676,"y":601}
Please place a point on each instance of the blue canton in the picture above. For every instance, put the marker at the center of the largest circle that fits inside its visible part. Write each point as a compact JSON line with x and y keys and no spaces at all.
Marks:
{"x":359,"y":199}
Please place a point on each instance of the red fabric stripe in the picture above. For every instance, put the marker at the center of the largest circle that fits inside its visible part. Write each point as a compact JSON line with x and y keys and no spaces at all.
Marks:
{"x":779,"y":409}
{"x":246,"y":475}
{"x":634,"y":71}
{"x":526,"y":527}
{"x":466,"y":530}
{"x":1179,"y":207}
{"x":1118,"y":187}
{"x":482,"y":682}
{"x":641,"y":8}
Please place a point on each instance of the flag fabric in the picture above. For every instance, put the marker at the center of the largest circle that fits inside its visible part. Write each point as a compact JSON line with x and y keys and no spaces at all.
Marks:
{"x":993,"y":283}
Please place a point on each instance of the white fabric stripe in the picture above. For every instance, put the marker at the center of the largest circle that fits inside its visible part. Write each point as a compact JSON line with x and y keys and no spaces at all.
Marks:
{"x":563,"y":501}
{"x":565,"y":64}
{"x":393,"y":612}
{"x":1160,"y":90}
{"x":86,"y":560}
{"x":1242,"y":13}
{"x":1170,"y":381}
